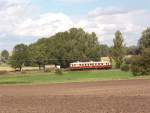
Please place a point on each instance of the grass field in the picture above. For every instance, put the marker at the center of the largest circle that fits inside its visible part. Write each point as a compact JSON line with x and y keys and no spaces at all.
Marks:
{"x":46,"y":78}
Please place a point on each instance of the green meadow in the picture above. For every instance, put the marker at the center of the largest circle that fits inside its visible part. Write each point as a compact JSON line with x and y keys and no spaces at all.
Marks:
{"x":67,"y":77}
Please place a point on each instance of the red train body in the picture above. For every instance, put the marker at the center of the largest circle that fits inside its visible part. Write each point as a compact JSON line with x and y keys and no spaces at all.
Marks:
{"x":90,"y":65}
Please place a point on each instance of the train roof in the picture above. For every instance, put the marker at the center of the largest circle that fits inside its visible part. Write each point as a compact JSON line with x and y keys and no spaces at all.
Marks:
{"x":90,"y":62}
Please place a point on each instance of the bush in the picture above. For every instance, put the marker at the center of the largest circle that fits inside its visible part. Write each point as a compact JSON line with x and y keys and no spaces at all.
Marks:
{"x":50,"y":70}
{"x":136,"y":70}
{"x":58,"y":72}
{"x":140,"y":65}
{"x":125,"y":67}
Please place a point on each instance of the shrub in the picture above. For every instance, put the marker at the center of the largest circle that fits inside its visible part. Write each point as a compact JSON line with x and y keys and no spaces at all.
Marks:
{"x":140,"y":65}
{"x":50,"y":70}
{"x":137,"y":71}
{"x":58,"y":72}
{"x":125,"y":67}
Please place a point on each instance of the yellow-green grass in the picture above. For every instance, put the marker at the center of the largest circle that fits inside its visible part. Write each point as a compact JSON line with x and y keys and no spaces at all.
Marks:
{"x":67,"y":77}
{"x":8,"y":68}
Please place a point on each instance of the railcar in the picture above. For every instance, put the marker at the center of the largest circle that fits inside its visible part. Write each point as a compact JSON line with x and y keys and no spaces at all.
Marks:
{"x":90,"y":65}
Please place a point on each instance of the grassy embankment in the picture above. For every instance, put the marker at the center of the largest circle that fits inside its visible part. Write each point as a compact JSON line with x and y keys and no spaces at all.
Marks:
{"x":67,"y":77}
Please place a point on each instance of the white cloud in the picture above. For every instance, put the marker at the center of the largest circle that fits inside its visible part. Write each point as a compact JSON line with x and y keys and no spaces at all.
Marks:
{"x":19,"y":20}
{"x":105,"y":22}
{"x":107,"y":11}
{"x":45,"y":25}
{"x":12,"y":14}
{"x":75,"y":1}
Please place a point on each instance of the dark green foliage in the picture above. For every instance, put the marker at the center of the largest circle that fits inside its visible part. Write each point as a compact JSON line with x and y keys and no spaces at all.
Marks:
{"x":4,"y":56}
{"x":127,"y":60}
{"x":141,"y":63}
{"x":132,"y":50}
{"x":50,"y":69}
{"x":104,"y":50}
{"x":59,"y":72}
{"x":144,"y":42}
{"x":39,"y":54}
{"x":117,"y":51}
{"x":135,"y":68}
{"x":19,"y":57}
{"x":125,"y":67}
{"x":66,"y":47}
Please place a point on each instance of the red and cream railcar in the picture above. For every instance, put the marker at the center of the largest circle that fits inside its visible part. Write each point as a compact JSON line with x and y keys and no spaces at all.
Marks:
{"x":90,"y":65}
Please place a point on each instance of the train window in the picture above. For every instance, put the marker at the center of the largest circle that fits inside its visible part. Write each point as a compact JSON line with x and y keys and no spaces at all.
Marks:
{"x":102,"y":63}
{"x":99,"y":64}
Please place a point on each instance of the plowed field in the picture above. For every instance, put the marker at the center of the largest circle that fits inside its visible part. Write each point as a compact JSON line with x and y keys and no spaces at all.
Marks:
{"x":124,"y":96}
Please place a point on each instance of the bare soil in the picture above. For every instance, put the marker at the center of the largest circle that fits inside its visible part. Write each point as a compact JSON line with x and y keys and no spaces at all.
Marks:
{"x":124,"y":96}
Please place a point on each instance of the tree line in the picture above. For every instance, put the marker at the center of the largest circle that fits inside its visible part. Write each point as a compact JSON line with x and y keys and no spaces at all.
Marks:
{"x":78,"y":45}
{"x":60,"y":49}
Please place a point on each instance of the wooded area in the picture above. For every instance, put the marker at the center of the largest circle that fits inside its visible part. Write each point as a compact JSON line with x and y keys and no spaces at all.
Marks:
{"x":75,"y":44}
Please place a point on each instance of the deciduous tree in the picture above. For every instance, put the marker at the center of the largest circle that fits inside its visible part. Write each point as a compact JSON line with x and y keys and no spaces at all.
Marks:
{"x":19,"y":56}
{"x":144,"y":42}
{"x":118,"y":49}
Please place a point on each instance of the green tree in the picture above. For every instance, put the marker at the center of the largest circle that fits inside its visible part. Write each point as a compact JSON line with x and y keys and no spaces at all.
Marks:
{"x":132,"y":50}
{"x":118,"y":49}
{"x":39,"y":53}
{"x":19,"y":56}
{"x":4,"y":55}
{"x":104,"y":50}
{"x":144,"y":42}
{"x":140,"y":64}
{"x":66,"y":47}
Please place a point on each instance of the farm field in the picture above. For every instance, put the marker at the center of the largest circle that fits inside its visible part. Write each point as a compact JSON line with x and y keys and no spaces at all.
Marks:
{"x":123,"y":96}
{"x":31,"y":78}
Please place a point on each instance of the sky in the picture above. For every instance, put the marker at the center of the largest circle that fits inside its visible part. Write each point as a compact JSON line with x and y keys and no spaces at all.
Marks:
{"x":26,"y":21}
